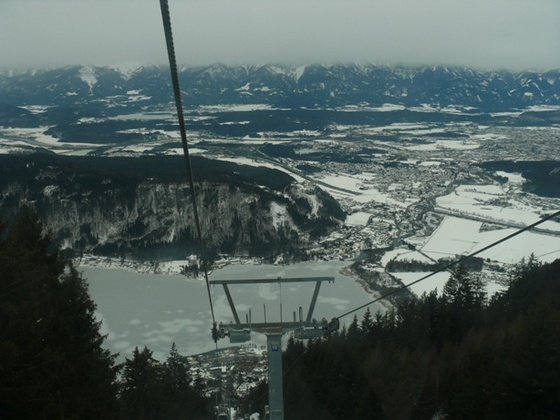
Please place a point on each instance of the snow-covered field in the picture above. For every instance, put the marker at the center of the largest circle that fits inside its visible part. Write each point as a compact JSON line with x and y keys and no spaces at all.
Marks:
{"x":359,"y":218}
{"x":252,"y":162}
{"x":482,"y":215}
{"x":444,"y":144}
{"x":235,"y":108}
{"x":362,"y":189}
{"x":436,"y":281}
{"x":14,"y":140}
{"x":495,"y":203}
{"x":457,"y":236}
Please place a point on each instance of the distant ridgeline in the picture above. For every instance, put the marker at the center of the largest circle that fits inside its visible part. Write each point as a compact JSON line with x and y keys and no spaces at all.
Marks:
{"x":543,"y":177}
{"x":141,"y":207}
{"x":102,"y":105}
{"x":287,"y":86}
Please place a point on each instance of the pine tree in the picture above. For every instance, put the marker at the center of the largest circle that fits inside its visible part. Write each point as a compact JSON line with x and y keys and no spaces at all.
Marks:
{"x":353,"y":331}
{"x":177,"y":371}
{"x":154,"y":390}
{"x":530,"y":353}
{"x":464,"y":289}
{"x":523,"y":267}
{"x":465,"y":296}
{"x":367,"y":322}
{"x":182,"y":400}
{"x":50,"y":346}
{"x":142,"y":386}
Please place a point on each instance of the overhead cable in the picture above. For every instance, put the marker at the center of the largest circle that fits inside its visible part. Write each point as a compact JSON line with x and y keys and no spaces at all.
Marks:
{"x":177,"y":92}
{"x":450,"y":265}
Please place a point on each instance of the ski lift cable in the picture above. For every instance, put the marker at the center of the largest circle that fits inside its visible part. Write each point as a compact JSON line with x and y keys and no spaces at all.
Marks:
{"x":551,"y":216}
{"x":166,"y":18}
{"x":548,"y":253}
{"x":448,"y":266}
{"x":176,"y":89}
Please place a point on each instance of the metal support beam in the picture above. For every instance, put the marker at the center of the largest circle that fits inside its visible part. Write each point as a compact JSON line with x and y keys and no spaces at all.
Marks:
{"x":231,"y":305}
{"x":313,"y":301}
{"x":275,"y":385}
{"x":276,"y":280}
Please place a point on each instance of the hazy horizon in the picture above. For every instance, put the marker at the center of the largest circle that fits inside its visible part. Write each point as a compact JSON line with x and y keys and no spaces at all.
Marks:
{"x":499,"y":34}
{"x":126,"y":67}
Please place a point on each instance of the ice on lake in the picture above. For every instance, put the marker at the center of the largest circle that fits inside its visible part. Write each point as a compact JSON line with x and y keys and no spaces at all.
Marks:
{"x":156,"y":310}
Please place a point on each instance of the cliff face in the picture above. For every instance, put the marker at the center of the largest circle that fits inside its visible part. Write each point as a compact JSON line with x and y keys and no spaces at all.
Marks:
{"x":110,"y":213}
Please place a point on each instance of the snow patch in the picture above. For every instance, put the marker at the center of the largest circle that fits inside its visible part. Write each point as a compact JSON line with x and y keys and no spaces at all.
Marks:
{"x":36,"y":109}
{"x":358,"y":218}
{"x":87,"y":74}
{"x":279,"y":214}
{"x":244,"y":88}
{"x":235,"y":107}
{"x":127,"y":71}
{"x":299,"y":72}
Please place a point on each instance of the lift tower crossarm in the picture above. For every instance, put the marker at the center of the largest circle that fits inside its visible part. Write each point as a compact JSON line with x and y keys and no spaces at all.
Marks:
{"x":276,"y":280}
{"x":317,"y":280}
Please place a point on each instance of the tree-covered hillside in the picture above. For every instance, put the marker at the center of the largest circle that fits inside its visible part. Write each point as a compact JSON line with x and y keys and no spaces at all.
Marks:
{"x":53,"y":365}
{"x":141,"y":208}
{"x":449,"y":356}
{"x":456,"y":355}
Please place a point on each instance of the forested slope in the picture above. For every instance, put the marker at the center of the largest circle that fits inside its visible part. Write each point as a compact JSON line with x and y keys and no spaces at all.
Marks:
{"x":142,"y":208}
{"x":53,"y":364}
{"x":457,"y":356}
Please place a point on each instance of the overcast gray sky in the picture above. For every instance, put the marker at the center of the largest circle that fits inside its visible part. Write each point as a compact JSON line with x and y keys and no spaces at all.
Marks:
{"x":513,"y":34}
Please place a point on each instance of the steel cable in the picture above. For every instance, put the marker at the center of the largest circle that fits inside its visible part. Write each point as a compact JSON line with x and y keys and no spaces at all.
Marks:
{"x":166,"y":18}
{"x":458,"y":261}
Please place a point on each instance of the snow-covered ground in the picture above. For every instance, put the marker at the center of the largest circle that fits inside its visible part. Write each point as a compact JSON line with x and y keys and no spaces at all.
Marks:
{"x":252,"y":162}
{"x":359,"y":218}
{"x":444,"y":144}
{"x":435,"y":281}
{"x":495,"y":203}
{"x":13,"y":140}
{"x":457,"y":236}
{"x":235,"y":107}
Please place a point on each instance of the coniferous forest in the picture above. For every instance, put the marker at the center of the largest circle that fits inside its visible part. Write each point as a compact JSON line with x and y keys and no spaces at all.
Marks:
{"x":455,"y":356}
{"x":452,"y":355}
{"x":52,"y":363}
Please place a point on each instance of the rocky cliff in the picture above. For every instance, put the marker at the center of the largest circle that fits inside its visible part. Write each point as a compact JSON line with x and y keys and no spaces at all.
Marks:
{"x":142,"y":207}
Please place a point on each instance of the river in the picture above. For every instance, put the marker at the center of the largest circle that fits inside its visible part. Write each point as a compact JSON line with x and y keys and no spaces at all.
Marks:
{"x":155,"y":310}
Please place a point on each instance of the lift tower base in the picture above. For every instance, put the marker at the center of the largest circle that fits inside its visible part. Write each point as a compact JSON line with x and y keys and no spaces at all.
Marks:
{"x":275,"y":385}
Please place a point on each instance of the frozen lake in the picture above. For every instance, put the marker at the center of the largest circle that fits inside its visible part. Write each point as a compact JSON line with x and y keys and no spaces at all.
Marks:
{"x":157,"y":310}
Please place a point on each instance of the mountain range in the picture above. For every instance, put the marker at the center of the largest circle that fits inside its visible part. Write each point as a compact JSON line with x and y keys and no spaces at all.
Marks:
{"x":311,"y":86}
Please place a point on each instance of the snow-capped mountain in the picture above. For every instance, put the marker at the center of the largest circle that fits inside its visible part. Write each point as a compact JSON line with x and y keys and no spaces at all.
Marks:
{"x":287,"y":86}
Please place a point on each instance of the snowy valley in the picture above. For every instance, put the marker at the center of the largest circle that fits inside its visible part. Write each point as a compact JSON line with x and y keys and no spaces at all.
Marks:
{"x":345,"y":162}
